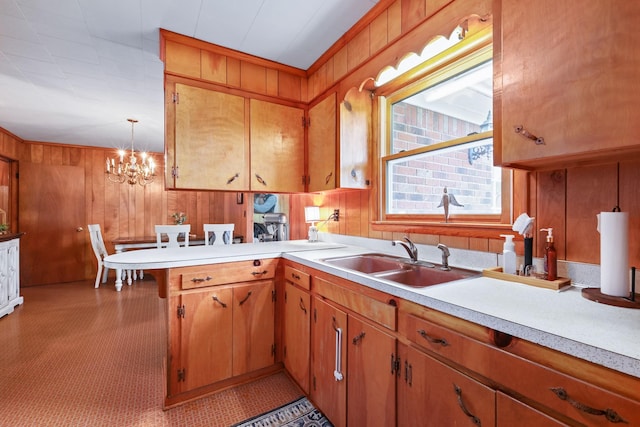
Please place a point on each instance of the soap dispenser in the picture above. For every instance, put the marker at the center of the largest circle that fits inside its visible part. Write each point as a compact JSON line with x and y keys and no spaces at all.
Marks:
{"x":508,"y":254}
{"x":550,"y":256}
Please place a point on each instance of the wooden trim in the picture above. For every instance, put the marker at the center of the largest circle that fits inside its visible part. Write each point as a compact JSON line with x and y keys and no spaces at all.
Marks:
{"x":210,"y":47}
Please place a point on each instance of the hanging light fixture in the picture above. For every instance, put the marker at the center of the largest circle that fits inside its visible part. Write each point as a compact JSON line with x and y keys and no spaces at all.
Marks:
{"x":133,"y":172}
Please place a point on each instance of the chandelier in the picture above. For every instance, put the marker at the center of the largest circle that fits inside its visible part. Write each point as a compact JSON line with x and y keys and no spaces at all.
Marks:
{"x":142,"y":172}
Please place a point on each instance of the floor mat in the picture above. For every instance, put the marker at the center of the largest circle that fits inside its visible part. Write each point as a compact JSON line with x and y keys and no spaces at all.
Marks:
{"x":299,"y":413}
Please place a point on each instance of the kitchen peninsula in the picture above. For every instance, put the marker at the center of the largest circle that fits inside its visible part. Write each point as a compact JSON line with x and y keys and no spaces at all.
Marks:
{"x":548,"y":335}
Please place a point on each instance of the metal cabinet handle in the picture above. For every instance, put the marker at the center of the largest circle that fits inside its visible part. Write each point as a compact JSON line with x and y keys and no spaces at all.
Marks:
{"x":337,"y":372}
{"x":358,"y":338}
{"x":611,"y":415}
{"x":215,"y":298}
{"x":522,"y":131}
{"x":233,"y":178}
{"x":302,"y":307}
{"x":328,"y":178}
{"x":295,"y":276}
{"x":199,"y":279}
{"x":245,"y":298}
{"x":260,"y":180}
{"x":475,"y":420}
{"x":426,"y":336}
{"x":259,"y":273}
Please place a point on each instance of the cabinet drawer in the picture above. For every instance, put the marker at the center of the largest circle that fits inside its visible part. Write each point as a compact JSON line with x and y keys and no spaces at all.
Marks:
{"x":297,"y":277}
{"x":572,"y":397}
{"x":435,"y":338}
{"x":229,"y":272}
{"x":374,"y":310}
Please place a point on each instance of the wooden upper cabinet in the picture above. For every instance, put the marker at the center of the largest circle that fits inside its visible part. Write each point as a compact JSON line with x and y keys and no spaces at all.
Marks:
{"x":277,"y":147}
{"x":355,"y":137}
{"x":568,"y":75}
{"x":321,"y":163}
{"x":209,"y":148}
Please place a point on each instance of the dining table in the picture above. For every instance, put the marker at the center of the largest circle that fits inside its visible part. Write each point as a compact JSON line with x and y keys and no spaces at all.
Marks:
{"x":125,"y":243}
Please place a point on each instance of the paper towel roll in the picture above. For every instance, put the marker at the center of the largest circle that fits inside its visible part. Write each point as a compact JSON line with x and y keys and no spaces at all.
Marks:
{"x":614,"y":253}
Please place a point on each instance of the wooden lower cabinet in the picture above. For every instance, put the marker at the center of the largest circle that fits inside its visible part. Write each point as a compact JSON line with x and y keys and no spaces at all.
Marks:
{"x":328,"y":361}
{"x":371,"y":379}
{"x":221,"y":326}
{"x":297,"y":334}
{"x":225,"y":331}
{"x":253,"y":326}
{"x":206,"y":339}
{"x":511,"y":412}
{"x":431,"y":393}
{"x":353,"y":371}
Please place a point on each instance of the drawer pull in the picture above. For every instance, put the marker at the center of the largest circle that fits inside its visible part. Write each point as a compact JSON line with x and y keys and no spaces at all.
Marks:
{"x":358,"y":337}
{"x":245,"y":298}
{"x":295,"y":276}
{"x":200,"y":279}
{"x":302,"y":307}
{"x":475,"y":420}
{"x":215,"y":298}
{"x":432,"y":340}
{"x":611,"y":415}
{"x":522,"y":131}
{"x":259,"y":273}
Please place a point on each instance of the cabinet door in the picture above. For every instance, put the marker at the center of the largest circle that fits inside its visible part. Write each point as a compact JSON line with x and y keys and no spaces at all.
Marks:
{"x":329,"y":355}
{"x":277,"y":147}
{"x":210,"y":143}
{"x":321,"y":163}
{"x":569,"y":75}
{"x":355,"y":135}
{"x":297,"y":334}
{"x":433,"y":394}
{"x":372,"y":377}
{"x":511,"y":412}
{"x":253,"y":326}
{"x":206,"y":337}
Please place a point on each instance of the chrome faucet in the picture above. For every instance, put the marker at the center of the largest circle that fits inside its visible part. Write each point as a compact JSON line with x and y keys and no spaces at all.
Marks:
{"x":409,"y":247}
{"x":445,"y":256}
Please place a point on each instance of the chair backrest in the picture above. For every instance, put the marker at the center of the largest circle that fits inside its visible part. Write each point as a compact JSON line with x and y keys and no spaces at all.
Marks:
{"x":172,"y":232}
{"x":218,"y":234}
{"x":95,"y":233}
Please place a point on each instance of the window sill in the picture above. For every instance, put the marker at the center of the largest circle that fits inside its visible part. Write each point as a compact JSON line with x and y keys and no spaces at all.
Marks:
{"x":486,"y":230}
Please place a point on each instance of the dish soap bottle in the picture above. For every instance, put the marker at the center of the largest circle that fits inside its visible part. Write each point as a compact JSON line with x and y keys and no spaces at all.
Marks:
{"x":550,"y":257}
{"x":508,"y":254}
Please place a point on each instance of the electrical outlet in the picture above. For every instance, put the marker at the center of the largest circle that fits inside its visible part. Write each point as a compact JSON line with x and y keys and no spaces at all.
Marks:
{"x":336,"y":214}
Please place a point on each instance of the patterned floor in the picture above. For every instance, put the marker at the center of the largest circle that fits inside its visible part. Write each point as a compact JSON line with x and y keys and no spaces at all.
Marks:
{"x":73,"y":355}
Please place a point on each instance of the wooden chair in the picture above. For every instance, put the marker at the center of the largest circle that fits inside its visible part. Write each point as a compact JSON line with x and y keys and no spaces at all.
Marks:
{"x":99,"y":249}
{"x":218,"y":234}
{"x":172,"y":232}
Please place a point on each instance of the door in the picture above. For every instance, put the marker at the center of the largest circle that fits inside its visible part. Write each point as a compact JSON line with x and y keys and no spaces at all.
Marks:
{"x":277,"y":147}
{"x":52,"y":216}
{"x":297,"y":334}
{"x":321,"y":164}
{"x":211,"y":145}
{"x":206,"y":337}
{"x":253,"y":326}
{"x":329,"y":389}
{"x":431,"y":393}
{"x":372,"y":375}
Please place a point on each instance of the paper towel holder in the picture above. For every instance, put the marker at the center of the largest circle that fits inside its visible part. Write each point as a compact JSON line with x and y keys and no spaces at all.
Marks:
{"x":632,"y":301}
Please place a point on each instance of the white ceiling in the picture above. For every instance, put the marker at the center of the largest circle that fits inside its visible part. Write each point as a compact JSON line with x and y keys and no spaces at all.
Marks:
{"x":73,"y":71}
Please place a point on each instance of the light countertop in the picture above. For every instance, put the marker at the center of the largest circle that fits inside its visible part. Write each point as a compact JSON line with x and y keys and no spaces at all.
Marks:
{"x":561,"y":320}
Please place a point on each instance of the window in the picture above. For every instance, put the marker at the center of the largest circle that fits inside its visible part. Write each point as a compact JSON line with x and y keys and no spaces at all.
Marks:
{"x":439,"y":141}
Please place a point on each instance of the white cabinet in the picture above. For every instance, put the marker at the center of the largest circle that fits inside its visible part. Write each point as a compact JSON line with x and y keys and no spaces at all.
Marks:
{"x":9,"y":275}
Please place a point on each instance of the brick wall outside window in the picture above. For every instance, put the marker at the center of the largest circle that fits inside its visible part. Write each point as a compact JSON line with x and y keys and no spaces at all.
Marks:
{"x":418,"y":182}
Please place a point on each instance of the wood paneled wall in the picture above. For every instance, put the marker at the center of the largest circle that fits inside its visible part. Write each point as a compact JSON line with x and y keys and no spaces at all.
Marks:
{"x":121,"y":209}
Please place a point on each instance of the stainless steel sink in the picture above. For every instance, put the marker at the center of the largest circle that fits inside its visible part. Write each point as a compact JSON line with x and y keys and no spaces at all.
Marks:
{"x":368,"y":263}
{"x":400,"y":270}
{"x":420,"y":277}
